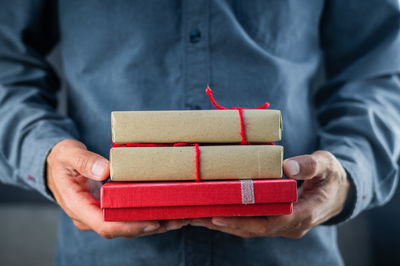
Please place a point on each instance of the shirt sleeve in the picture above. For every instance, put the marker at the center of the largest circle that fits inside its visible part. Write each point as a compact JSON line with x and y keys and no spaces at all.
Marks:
{"x":29,"y":123}
{"x":359,"y":106}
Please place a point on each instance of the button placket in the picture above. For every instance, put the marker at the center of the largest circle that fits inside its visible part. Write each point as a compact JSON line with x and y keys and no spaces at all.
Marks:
{"x":197,"y":53}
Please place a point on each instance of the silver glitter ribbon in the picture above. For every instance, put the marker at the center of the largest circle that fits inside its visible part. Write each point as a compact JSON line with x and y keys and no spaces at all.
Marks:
{"x":247,"y":191}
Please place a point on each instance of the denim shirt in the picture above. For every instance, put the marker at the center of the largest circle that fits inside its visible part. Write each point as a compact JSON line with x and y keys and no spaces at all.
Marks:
{"x":331,"y":67}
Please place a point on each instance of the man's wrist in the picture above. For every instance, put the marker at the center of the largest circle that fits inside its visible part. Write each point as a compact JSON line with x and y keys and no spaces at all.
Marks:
{"x":49,"y":158}
{"x":348,"y":206}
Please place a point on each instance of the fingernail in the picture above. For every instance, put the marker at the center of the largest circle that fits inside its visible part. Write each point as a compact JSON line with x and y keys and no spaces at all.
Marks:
{"x":292,"y":167}
{"x":99,"y":168}
{"x":219,"y":222}
{"x":151,"y":228}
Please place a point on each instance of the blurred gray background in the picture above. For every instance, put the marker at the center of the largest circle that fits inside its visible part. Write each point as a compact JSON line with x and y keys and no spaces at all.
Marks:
{"x":28,"y":226}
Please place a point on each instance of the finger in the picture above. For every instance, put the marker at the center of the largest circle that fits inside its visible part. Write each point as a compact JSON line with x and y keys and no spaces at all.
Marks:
{"x":256,"y":226}
{"x":82,"y":206}
{"x":294,"y":225}
{"x":75,"y":198}
{"x":175,"y":224}
{"x":207,"y":223}
{"x":80,"y":225}
{"x":309,"y":211}
{"x":160,"y":230}
{"x":92,"y":216}
{"x":307,"y":166}
{"x":88,"y":164}
{"x":252,"y":225}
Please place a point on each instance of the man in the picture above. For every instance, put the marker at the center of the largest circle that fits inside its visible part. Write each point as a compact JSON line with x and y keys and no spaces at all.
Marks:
{"x":331,"y":67}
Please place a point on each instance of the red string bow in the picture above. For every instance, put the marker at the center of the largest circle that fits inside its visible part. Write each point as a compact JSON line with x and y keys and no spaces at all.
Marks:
{"x":196,"y":145}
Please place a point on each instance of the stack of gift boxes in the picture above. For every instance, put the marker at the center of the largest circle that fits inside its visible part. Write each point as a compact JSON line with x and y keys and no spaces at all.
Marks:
{"x":188,"y":164}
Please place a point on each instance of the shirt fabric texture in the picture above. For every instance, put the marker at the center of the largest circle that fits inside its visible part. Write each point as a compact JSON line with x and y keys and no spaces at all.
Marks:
{"x":331,"y":67}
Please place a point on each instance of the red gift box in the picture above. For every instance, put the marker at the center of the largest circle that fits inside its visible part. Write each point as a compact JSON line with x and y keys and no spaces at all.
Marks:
{"x":123,"y":201}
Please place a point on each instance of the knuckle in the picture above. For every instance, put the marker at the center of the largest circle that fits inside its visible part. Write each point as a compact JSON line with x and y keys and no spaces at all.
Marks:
{"x":79,"y":226}
{"x":297,"y":225}
{"x":312,"y":164}
{"x":326,"y":154}
{"x":298,"y":234}
{"x":309,"y":222}
{"x":263,"y":231}
{"x":81,"y":163}
{"x":105,"y":233}
{"x":304,"y":224}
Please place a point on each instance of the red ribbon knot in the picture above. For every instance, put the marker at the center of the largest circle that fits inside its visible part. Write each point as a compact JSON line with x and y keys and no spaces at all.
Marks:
{"x":196,"y":145}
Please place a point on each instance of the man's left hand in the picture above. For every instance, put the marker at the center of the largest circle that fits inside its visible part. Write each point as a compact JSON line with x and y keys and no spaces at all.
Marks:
{"x":321,"y":197}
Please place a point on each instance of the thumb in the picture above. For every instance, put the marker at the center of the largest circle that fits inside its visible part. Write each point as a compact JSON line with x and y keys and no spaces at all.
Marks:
{"x":89,"y":164}
{"x":305,"y":166}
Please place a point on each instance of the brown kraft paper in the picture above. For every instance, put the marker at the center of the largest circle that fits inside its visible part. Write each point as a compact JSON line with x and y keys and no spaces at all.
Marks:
{"x":178,"y":163}
{"x":200,"y":126}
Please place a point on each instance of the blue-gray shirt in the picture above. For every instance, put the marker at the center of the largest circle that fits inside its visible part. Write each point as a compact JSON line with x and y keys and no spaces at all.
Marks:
{"x":332,"y":67}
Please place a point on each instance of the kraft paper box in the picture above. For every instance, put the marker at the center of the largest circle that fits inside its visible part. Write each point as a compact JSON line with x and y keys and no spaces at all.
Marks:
{"x":200,"y":126}
{"x":176,"y":200}
{"x":179,"y":163}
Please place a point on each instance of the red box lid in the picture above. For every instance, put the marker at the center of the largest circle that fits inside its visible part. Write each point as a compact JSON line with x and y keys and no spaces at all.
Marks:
{"x":152,"y":194}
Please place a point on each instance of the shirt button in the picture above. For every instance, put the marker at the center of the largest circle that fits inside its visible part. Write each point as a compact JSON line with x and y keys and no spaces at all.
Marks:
{"x":195,"y":36}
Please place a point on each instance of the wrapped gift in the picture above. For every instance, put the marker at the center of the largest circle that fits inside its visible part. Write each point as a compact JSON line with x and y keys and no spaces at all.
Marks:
{"x":200,"y":126}
{"x":177,"y":200}
{"x":179,"y":163}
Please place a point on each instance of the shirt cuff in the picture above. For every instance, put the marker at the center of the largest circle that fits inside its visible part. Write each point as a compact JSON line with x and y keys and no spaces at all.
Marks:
{"x":34,"y":151}
{"x":359,"y":194}
{"x":349,"y":205}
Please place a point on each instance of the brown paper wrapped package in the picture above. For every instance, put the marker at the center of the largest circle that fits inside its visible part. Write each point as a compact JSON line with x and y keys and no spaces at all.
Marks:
{"x":201,"y":126}
{"x":178,"y":163}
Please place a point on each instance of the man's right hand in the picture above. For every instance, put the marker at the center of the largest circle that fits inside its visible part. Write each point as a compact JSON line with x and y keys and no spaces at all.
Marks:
{"x":69,"y":166}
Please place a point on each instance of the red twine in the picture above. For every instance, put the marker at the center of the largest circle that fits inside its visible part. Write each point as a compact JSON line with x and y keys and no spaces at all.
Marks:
{"x":240,"y":111}
{"x":197,"y":152}
{"x":196,"y":145}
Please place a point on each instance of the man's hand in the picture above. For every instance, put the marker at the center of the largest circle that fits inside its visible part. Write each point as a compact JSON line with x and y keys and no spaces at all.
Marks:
{"x":69,"y":166}
{"x":322,"y":196}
